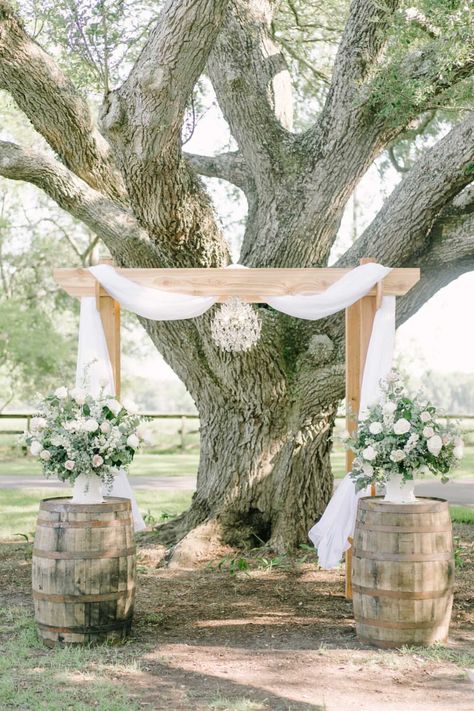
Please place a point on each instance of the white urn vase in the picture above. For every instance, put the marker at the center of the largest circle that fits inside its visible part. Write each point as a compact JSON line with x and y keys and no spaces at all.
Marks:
{"x":399,"y":490}
{"x":87,"y":489}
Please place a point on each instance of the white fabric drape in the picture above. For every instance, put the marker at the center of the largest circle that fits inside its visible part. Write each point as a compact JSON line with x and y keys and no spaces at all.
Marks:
{"x":150,"y":303}
{"x":93,"y":372}
{"x":331,"y":533}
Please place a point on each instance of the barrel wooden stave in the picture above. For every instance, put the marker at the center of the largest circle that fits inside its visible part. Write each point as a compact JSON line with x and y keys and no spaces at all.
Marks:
{"x":83,"y":571}
{"x":402,"y":579}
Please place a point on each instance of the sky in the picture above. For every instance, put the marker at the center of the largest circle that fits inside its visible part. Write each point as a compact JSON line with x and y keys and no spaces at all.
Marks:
{"x":436,"y":338}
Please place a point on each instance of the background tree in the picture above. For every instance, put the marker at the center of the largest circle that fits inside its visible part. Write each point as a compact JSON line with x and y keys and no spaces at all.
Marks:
{"x":375,"y":76}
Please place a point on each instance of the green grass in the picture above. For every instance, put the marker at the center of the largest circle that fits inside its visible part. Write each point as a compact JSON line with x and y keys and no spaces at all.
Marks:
{"x":144,"y":465}
{"x":440,"y":653}
{"x":461,"y":514}
{"x":32,"y":678}
{"x":19,"y":507}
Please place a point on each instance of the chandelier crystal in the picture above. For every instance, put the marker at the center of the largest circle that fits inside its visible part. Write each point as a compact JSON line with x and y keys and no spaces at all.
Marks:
{"x":236,"y":326}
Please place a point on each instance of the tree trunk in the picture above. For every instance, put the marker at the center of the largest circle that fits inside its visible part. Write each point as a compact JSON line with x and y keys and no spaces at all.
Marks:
{"x":266,"y":424}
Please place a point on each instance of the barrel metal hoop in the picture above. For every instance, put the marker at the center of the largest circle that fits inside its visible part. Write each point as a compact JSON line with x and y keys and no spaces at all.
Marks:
{"x":402,"y":557}
{"x":83,"y":555}
{"x":431,"y":504}
{"x":402,"y":594}
{"x":84,"y":524}
{"x":392,"y":625}
{"x":79,"y":599}
{"x":405,"y":529}
{"x":64,"y":504}
{"x":87,"y":630}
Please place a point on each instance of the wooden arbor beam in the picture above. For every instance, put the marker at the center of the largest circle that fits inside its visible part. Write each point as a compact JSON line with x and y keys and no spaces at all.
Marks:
{"x":251,"y":285}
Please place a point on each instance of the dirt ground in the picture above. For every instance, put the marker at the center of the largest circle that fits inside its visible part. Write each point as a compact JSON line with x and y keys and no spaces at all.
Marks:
{"x":274,"y":637}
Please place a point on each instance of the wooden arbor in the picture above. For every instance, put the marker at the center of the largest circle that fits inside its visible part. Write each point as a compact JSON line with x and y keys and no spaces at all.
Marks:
{"x":251,"y":285}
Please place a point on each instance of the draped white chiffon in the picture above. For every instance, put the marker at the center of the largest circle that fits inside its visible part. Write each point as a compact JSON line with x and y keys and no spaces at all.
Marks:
{"x":331,"y":533}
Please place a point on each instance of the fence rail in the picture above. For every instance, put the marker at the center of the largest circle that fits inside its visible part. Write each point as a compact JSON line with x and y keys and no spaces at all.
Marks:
{"x":182,"y":416}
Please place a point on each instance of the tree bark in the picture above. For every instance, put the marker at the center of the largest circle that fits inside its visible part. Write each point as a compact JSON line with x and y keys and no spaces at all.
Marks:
{"x":267,"y":416}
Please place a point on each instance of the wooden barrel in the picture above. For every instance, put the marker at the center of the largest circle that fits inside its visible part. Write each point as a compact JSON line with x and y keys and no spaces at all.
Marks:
{"x":83,"y":571}
{"x":403,"y":572}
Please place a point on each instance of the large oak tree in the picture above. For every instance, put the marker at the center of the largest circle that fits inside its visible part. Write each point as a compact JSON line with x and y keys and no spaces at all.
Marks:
{"x":267,"y":415}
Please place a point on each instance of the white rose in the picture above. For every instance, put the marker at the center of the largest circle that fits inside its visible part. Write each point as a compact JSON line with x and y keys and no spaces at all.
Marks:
{"x":114,"y":406}
{"x":397,"y":455}
{"x":345,"y":435}
{"x":70,"y":464}
{"x":428,"y":432}
{"x":97,"y":460}
{"x":45,"y":455}
{"x":369,"y":453}
{"x":401,"y":426}
{"x":425,"y":416}
{"x":458,"y":451}
{"x":389,"y":407}
{"x":91,"y":425}
{"x":105,"y":427}
{"x":375,"y":428}
{"x":35,"y":448}
{"x":131,"y":406}
{"x":133,"y":441}
{"x":56,"y":441}
{"x":367,"y":469}
{"x":61,"y":393}
{"x":38,"y":423}
{"x":458,"y":442}
{"x":434,"y":444}
{"x":79,"y":395}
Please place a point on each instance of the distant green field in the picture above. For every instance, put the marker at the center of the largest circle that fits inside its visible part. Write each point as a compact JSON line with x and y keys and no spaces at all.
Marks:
{"x":19,"y":507}
{"x":165,"y":457}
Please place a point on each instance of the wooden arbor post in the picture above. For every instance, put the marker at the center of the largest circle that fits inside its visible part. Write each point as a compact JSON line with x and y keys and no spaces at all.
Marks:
{"x":359,"y":323}
{"x":252,"y":286}
{"x":109,"y":310}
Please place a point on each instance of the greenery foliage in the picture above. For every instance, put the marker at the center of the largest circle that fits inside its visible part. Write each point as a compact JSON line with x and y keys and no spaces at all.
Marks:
{"x":75,"y":433}
{"x":402,"y":435}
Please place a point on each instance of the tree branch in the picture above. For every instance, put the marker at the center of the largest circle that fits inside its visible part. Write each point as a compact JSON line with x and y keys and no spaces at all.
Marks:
{"x":109,"y":220}
{"x":253,"y":86}
{"x":153,"y":99}
{"x":226,"y":166}
{"x":449,"y":253}
{"x":53,"y":105}
{"x":428,"y":220}
{"x":401,"y":229}
{"x":143,"y":119}
{"x":362,"y":43}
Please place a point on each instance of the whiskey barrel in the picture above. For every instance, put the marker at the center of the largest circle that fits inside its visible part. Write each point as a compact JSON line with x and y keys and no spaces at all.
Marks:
{"x":83,"y":571}
{"x":403,"y":572}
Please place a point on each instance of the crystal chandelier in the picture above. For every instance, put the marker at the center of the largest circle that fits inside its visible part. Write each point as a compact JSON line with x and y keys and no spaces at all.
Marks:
{"x":236,"y":326}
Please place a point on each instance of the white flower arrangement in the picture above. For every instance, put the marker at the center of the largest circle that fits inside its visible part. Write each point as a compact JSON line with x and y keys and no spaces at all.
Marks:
{"x":75,"y":433}
{"x":402,"y":435}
